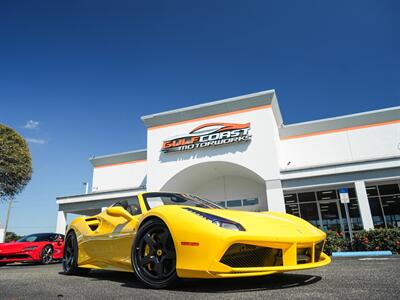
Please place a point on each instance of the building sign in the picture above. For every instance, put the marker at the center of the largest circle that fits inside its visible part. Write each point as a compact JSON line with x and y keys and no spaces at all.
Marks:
{"x":207,"y":135}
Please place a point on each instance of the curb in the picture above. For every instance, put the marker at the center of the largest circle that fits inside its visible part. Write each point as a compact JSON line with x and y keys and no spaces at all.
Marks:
{"x":361,"y":253}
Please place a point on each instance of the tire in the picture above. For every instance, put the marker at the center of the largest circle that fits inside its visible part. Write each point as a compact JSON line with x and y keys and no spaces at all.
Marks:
{"x":154,"y":256}
{"x":70,"y":256}
{"x":46,"y":255}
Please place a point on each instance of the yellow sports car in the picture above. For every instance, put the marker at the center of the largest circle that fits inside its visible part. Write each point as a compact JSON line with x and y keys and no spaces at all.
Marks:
{"x":165,"y":236}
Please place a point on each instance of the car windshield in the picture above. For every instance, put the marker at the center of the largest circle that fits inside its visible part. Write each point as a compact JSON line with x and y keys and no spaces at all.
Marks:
{"x":39,"y":237}
{"x":157,"y":199}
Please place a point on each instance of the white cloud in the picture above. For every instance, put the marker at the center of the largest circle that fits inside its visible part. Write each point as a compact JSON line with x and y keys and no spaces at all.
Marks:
{"x":36,"y":141}
{"x":32,"y":124}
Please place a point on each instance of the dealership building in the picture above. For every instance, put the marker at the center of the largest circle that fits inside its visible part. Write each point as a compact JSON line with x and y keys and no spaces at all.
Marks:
{"x":240,"y":153}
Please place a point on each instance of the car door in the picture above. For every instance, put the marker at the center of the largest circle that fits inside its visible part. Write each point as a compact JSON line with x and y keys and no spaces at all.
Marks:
{"x":110,"y":244}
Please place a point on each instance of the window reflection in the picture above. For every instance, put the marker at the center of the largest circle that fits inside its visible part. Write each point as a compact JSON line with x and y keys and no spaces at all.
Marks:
{"x":330,"y":216}
{"x":391,"y":208}
{"x":323,"y":208}
{"x":309,"y":212}
{"x":376,"y":212}
{"x":355,"y":218}
{"x":384,"y":201}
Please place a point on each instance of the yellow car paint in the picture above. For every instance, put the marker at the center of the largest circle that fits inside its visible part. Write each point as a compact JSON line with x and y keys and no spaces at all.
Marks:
{"x":105,"y":240}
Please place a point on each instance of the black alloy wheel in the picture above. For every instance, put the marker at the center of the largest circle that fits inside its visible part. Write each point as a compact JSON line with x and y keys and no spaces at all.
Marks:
{"x":70,"y":257}
{"x":153,"y":255}
{"x":46,"y":255}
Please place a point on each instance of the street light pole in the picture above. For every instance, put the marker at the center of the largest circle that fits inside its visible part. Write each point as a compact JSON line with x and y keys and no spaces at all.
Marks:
{"x":86,"y":185}
{"x":10,"y":200}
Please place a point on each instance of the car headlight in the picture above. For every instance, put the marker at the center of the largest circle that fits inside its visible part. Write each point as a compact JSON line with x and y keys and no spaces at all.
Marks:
{"x":30,"y":248}
{"x":216,"y":220}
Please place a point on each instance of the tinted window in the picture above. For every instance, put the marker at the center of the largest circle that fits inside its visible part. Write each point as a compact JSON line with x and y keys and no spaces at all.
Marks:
{"x":372,"y":191}
{"x":157,"y":199}
{"x":352,"y":193}
{"x":40,"y":237}
{"x":131,"y":205}
{"x":309,"y":212}
{"x":306,"y":197}
{"x":290,"y":198}
{"x":376,"y":212}
{"x":389,"y":189}
{"x":293,"y":209}
{"x":253,"y":201}
{"x":391,"y":208}
{"x":234,"y":203}
{"x":327,"y":195}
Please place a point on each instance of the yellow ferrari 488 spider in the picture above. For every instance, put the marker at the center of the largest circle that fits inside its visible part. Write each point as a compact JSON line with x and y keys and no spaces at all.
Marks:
{"x":165,"y":236}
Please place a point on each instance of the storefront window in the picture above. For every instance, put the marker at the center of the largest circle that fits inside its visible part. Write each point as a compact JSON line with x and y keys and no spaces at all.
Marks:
{"x":372,"y":191}
{"x":290,"y":198}
{"x":306,"y":197}
{"x":355,"y":217}
{"x":322,"y":208}
{"x":234,"y":203}
{"x":330,"y":216}
{"x":309,"y":212}
{"x":376,"y":212}
{"x":239,"y":202}
{"x":327,"y":195}
{"x":293,"y":209}
{"x":388,"y":189}
{"x":391,"y":208}
{"x":384,"y":201}
{"x":251,"y":201}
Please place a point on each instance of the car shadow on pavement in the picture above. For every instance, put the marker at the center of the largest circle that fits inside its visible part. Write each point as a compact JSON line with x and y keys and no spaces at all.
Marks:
{"x":235,"y":285}
{"x":28,"y":264}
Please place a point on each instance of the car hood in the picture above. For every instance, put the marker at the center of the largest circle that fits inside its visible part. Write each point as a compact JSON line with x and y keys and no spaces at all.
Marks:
{"x":279,"y":226}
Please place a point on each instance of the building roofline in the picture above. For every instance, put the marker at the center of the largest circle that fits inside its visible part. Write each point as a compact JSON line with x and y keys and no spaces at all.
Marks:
{"x":345,"y":122}
{"x":117,"y":158}
{"x":242,"y":102}
{"x":297,"y":130}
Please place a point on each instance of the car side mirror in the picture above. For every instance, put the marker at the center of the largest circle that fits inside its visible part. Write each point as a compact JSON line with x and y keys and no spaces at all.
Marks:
{"x":117,"y":211}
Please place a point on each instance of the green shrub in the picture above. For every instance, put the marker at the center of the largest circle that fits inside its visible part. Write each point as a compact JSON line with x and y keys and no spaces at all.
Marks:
{"x":335,"y":242}
{"x":377,"y":239}
{"x":371,"y":240}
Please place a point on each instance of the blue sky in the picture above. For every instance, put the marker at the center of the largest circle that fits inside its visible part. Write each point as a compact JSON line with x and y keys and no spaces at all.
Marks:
{"x":87,"y":70}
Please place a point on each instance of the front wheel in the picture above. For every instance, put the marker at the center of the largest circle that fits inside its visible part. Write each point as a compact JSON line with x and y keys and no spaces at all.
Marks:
{"x":70,"y":257}
{"x":46,"y":255}
{"x":153,"y":255}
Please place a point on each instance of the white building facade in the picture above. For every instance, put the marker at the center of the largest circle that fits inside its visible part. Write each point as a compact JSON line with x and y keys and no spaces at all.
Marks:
{"x":239,"y":153}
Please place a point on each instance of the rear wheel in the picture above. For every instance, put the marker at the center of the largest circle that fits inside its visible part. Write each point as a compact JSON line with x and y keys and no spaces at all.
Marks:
{"x":70,"y":258}
{"x":46,"y":255}
{"x":153,"y":255}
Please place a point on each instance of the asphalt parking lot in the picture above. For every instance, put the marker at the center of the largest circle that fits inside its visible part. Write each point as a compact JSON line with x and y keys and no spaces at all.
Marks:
{"x":366,"y":278}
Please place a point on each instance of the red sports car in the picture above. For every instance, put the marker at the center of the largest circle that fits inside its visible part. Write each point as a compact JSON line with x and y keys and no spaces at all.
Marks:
{"x":39,"y":247}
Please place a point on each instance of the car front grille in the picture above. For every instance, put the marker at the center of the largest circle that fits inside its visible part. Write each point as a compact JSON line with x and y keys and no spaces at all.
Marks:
{"x":249,"y":256}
